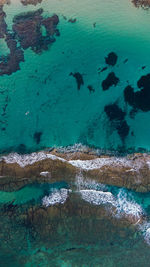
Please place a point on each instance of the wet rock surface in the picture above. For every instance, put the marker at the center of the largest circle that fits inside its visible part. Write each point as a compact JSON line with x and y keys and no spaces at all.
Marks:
{"x":41,"y":235}
{"x":132,"y":171}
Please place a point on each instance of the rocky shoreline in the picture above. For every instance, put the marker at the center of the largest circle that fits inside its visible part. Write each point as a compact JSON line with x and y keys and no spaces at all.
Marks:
{"x":131,"y":171}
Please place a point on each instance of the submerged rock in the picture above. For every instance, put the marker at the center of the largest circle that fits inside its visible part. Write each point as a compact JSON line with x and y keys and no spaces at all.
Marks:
{"x":141,"y":3}
{"x":31,"y":2}
{"x":27,"y":29}
{"x":139,"y":100}
{"x":117,"y":117}
{"x":110,"y":80}
{"x":11,"y":62}
{"x":111,"y":59}
{"x":79,"y":79}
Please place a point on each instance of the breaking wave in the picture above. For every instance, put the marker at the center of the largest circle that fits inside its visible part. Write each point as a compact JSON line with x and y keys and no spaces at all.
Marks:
{"x":55,"y":197}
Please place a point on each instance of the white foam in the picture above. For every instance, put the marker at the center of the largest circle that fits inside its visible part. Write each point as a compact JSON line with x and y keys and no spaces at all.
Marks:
{"x":55,"y":197}
{"x":147,"y":236}
{"x":133,"y":164}
{"x":145,"y":230}
{"x":29,"y":159}
{"x":101,"y":162}
{"x":128,"y":207}
{"x":45,"y":174}
{"x":86,"y":183}
{"x":123,"y":206}
{"x":97,"y":197}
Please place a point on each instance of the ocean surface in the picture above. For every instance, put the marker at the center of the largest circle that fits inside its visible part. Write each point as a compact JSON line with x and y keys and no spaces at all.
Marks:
{"x":80,"y":76}
{"x":41,"y":104}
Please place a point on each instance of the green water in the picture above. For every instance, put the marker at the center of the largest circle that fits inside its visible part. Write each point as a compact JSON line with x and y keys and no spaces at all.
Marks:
{"x":42,"y":97}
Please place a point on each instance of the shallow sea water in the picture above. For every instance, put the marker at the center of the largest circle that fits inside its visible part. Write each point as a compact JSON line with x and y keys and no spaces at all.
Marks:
{"x":43,"y":97}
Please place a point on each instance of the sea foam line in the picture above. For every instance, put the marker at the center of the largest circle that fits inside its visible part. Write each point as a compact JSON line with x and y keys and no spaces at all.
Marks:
{"x":123,"y":206}
{"x":29,"y":159}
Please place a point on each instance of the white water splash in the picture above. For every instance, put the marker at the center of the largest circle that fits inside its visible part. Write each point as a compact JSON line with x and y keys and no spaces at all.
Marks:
{"x":29,"y":159}
{"x":98,"y":163}
{"x":55,"y":197}
{"x":97,"y":197}
{"x":144,"y":228}
{"x":126,"y":205}
{"x":86,"y":183}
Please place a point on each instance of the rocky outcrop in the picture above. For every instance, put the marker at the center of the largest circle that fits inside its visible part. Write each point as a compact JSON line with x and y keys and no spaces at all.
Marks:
{"x":70,"y":217}
{"x":142,"y":3}
{"x":11,"y":62}
{"x":132,"y":171}
{"x":27,"y":29}
{"x":31,"y":2}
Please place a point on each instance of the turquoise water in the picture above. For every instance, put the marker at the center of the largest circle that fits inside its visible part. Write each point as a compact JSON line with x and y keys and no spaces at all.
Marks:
{"x":43,"y":98}
{"x":31,"y":193}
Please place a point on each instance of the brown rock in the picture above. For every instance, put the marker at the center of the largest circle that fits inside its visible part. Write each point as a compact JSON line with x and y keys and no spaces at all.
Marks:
{"x":142,"y":3}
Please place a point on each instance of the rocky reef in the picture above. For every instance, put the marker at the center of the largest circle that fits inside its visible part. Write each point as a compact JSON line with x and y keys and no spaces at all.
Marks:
{"x":142,"y":3}
{"x":132,"y":171}
{"x":31,"y":2}
{"x":27,"y":31}
{"x":76,"y":224}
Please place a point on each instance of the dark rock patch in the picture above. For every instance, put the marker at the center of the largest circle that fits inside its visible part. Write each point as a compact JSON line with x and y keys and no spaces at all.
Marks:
{"x":103,"y":69}
{"x":117,"y":117}
{"x":139,"y":99}
{"x":141,"y":3}
{"x":111,"y":59}
{"x":27,"y":29}
{"x":123,"y":129}
{"x":110,"y":80}
{"x":114,"y":112}
{"x":129,"y":95}
{"x":91,"y":89}
{"x":9,"y":63}
{"x":79,"y":79}
{"x":31,"y":2}
{"x":37,"y":137}
{"x":72,"y":20}
{"x":22,"y":149}
{"x":143,"y":67}
{"x":133,"y":113}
